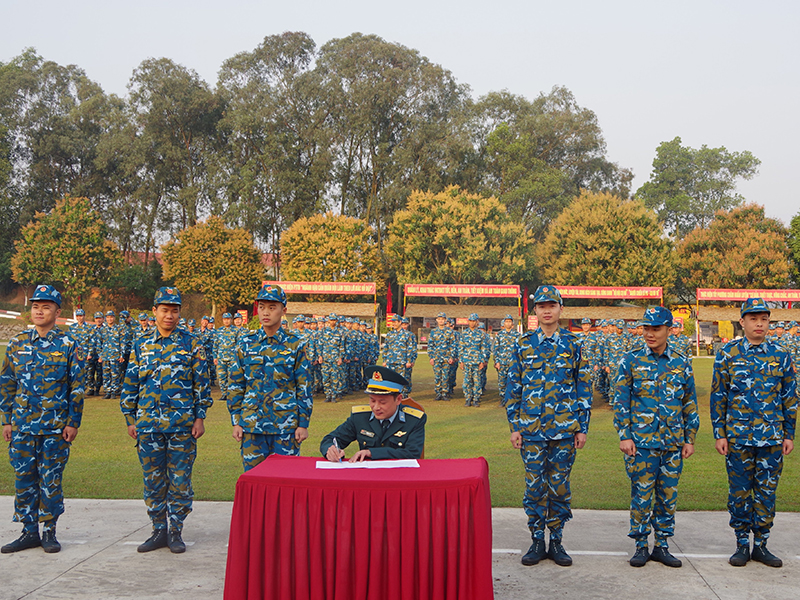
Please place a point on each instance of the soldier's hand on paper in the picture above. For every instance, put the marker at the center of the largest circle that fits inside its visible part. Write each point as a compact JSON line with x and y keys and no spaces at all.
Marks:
{"x":334,"y":454}
{"x":360,"y":456}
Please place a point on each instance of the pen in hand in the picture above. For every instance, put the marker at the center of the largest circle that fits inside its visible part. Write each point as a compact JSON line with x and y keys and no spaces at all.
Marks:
{"x":338,"y":450}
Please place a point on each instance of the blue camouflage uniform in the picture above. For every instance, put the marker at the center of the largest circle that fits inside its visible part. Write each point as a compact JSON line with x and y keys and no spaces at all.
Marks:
{"x":270,"y":390}
{"x":81,"y":334}
{"x":471,"y":352}
{"x":411,"y":349}
{"x":331,"y":351}
{"x":400,"y":349}
{"x":166,"y":390}
{"x":41,"y":393}
{"x":442,"y":353}
{"x":754,"y":407}
{"x":225,"y":353}
{"x":504,"y":342}
{"x":487,"y":354}
{"x":111,"y":352}
{"x":94,"y":368}
{"x":452,"y":376}
{"x":127,"y":335}
{"x":548,"y":401}
{"x":655,"y":406}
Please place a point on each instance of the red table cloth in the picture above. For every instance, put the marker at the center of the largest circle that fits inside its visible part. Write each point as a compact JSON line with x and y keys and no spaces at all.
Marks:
{"x":298,"y":532}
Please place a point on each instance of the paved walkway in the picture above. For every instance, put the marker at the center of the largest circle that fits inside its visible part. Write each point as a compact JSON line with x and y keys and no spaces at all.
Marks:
{"x":99,"y":558}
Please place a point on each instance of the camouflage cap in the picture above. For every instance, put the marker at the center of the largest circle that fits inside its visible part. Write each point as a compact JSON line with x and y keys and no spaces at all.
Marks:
{"x":773,"y":326}
{"x":620,"y":323}
{"x":227,"y":315}
{"x":472,"y":317}
{"x":481,"y":325}
{"x":111,"y":313}
{"x":181,"y":321}
{"x":125,"y":313}
{"x":781,"y":325}
{"x":192,"y":323}
{"x":309,"y":320}
{"x":46,"y":292}
{"x":547,"y":293}
{"x":80,"y":313}
{"x":754,"y":305}
{"x":238,"y":315}
{"x":143,"y":316}
{"x":167,"y":295}
{"x":151,"y":319}
{"x":98,"y":315}
{"x":441,"y":315}
{"x":204,"y":318}
{"x":210,"y":319}
{"x":677,"y":324}
{"x":271,"y":293}
{"x":586,"y":321}
{"x":405,"y":320}
{"x":508,"y":318}
{"x":655,"y":316}
{"x":299,"y":319}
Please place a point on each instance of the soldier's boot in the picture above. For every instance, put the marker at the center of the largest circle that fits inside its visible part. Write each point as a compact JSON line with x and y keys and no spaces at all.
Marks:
{"x":155,"y":541}
{"x":640,"y":557}
{"x":535,"y":554}
{"x":49,"y":542}
{"x":741,"y":557}
{"x":107,"y":396}
{"x":28,"y":539}
{"x":762,"y":555}
{"x":662,"y":554}
{"x":558,"y":555}
{"x":175,"y":543}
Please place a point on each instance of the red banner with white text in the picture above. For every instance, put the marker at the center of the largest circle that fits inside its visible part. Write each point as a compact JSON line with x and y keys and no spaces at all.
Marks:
{"x":325,"y":287}
{"x":461,"y":291}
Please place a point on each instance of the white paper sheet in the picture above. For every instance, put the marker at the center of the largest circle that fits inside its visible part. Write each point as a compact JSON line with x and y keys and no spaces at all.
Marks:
{"x":404,"y":463}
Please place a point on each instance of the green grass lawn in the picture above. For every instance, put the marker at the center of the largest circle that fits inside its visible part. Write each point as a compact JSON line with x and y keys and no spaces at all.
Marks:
{"x":104,"y":464}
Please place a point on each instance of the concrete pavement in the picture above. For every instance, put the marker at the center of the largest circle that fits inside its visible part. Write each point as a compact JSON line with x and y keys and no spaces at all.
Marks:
{"x":99,"y":558}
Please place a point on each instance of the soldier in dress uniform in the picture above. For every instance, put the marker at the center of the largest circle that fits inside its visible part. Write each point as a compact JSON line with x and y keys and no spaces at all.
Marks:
{"x":269,"y":392}
{"x":753,"y":414}
{"x":164,"y":400}
{"x":442,"y":353}
{"x":383,"y":429}
{"x":41,"y":404}
{"x":548,"y":402}
{"x":655,"y":414}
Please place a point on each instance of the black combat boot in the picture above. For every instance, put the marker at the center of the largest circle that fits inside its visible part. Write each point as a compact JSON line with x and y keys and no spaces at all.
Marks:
{"x":28,"y":539}
{"x":49,"y":542}
{"x":741,"y":557}
{"x":535,"y":554}
{"x":175,"y":543}
{"x":558,"y":555}
{"x":762,"y":555}
{"x":640,"y":557}
{"x":155,"y":541}
{"x":662,"y":554}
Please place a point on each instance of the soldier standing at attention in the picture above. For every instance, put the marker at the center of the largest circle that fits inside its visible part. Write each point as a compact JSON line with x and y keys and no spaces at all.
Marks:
{"x":270,"y":391}
{"x":225,"y":352}
{"x":111,"y":354}
{"x":81,"y":334}
{"x":453,"y":374}
{"x":547,"y":374}
{"x":41,"y":403}
{"x":410,"y":343}
{"x":209,"y":340}
{"x":94,"y":366}
{"x":126,"y":337}
{"x":331,"y":354}
{"x":655,"y":414}
{"x":442,"y":353}
{"x":164,"y":400}
{"x":503,"y":347}
{"x":471,"y":351}
{"x":753,"y":413}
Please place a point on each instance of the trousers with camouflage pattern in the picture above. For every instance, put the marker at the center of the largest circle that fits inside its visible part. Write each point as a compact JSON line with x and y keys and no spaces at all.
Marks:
{"x":753,"y":475}
{"x":256,"y":447}
{"x":167,"y":460}
{"x":654,"y":476}
{"x":547,"y":492}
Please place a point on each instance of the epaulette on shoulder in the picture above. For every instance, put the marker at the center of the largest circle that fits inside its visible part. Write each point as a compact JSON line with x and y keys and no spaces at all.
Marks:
{"x":360,"y":409}
{"x":414,"y":412}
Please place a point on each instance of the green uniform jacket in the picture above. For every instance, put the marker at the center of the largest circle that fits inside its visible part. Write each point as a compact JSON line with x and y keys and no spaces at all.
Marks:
{"x":405,"y":437}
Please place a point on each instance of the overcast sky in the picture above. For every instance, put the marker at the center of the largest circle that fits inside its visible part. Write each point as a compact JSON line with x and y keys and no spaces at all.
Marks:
{"x":721,"y":73}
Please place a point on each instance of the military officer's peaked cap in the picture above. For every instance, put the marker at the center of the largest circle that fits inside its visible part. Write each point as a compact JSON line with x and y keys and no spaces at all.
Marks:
{"x":167,"y":295}
{"x":271,"y":293}
{"x":227,"y":316}
{"x":547,"y":293}
{"x":754,"y":305}
{"x":472,"y":317}
{"x":80,"y":312}
{"x":143,"y":316}
{"x":655,"y":316}
{"x":98,"y":315}
{"x":46,"y":292}
{"x":384,"y":381}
